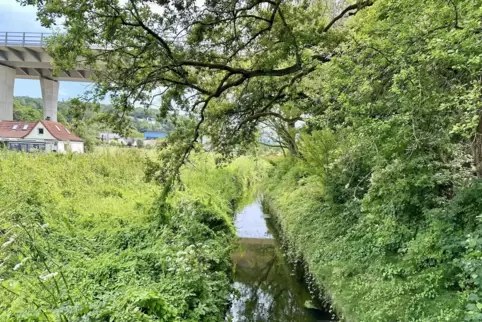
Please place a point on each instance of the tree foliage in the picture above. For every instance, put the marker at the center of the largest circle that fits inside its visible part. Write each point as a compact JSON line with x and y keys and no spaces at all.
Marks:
{"x":382,"y":206}
{"x":228,"y":64}
{"x":381,"y":201}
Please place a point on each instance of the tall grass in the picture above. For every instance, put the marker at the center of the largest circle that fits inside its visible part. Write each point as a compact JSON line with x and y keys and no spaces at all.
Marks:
{"x":81,"y":239}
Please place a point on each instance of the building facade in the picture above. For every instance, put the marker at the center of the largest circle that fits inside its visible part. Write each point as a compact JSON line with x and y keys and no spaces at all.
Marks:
{"x":48,"y":136}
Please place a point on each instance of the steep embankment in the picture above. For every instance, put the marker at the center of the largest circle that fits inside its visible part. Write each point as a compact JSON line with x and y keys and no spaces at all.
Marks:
{"x":82,"y":239}
{"x":373,"y":265}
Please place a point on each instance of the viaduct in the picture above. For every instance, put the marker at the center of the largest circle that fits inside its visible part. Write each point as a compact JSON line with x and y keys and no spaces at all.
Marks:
{"x":23,"y":55}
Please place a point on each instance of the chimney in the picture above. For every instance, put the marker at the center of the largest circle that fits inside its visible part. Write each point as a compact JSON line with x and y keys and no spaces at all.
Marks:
{"x":47,"y":118}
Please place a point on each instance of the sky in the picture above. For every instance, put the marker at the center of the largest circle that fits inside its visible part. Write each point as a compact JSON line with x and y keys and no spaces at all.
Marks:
{"x":14,"y":17}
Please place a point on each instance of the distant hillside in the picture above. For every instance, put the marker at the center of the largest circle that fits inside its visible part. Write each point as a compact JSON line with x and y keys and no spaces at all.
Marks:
{"x":30,"y":109}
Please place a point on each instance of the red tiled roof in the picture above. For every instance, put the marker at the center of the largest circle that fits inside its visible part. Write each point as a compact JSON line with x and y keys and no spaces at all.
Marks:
{"x":60,"y":132}
{"x":7,"y":129}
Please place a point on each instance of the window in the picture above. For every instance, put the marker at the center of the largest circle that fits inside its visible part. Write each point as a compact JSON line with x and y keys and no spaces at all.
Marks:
{"x":14,"y":127}
{"x":40,"y":131}
{"x":67,"y":130}
{"x":58,"y":129}
{"x":25,"y":127}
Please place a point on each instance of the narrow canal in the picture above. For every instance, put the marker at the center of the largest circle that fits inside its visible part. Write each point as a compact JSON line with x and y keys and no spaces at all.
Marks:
{"x":266,"y":286}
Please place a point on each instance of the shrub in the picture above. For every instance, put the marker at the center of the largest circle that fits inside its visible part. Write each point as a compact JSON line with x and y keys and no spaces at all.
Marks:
{"x":83,"y":240}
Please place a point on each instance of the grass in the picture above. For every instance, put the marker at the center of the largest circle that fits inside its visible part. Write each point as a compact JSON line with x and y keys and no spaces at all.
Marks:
{"x":339,"y":251}
{"x":83,"y":239}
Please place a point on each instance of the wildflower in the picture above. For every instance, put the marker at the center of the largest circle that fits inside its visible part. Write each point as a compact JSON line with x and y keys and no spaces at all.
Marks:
{"x":8,"y":242}
{"x":48,"y":276}
{"x":44,"y":226}
{"x":20,"y":264}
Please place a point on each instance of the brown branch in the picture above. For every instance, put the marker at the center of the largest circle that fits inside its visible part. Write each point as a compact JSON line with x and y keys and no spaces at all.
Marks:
{"x":195,"y":137}
{"x":456,"y":12}
{"x":290,"y":31}
{"x":355,"y":6}
{"x":257,"y":34}
{"x":151,"y":32}
{"x":255,"y":17}
{"x":245,"y":72}
{"x":274,"y":114}
{"x":254,"y":4}
{"x":187,"y":84}
{"x":273,"y":146}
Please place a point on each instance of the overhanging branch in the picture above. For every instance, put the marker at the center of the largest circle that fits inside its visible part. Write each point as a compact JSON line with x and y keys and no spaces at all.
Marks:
{"x":355,"y":6}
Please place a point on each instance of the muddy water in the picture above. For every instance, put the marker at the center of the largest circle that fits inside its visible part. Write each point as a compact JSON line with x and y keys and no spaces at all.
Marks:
{"x":266,"y":286}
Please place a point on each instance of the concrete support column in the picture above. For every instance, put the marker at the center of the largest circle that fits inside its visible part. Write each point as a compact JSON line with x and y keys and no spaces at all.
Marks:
{"x":7,"y":81}
{"x":50,"y":96}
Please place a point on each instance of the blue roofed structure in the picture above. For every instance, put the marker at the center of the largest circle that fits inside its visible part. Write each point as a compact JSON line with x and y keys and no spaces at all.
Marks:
{"x":151,"y":135}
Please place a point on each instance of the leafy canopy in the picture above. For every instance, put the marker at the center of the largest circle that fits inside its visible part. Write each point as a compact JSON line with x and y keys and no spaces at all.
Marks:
{"x":228,"y":64}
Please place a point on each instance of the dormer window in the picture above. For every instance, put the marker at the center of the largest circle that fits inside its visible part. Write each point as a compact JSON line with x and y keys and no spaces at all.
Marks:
{"x":15,"y":127}
{"x":25,"y":127}
{"x":40,"y":131}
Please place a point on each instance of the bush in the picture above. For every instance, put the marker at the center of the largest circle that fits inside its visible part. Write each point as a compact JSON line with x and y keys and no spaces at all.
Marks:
{"x":385,"y":243}
{"x":83,"y":240}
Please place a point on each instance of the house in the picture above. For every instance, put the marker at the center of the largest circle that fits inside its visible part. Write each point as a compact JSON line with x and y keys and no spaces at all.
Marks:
{"x":44,"y":135}
{"x":108,"y":137}
{"x":151,"y":135}
{"x":131,"y":142}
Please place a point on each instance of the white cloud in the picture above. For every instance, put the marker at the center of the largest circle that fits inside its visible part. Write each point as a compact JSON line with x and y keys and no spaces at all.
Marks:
{"x":14,"y":17}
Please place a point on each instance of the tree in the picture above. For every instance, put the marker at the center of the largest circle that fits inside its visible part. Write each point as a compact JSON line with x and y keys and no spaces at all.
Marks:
{"x":25,"y":113}
{"x":228,"y":64}
{"x":136,"y":134}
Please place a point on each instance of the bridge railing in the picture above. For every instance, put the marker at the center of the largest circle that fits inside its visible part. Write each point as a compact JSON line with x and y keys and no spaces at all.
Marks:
{"x":24,"y":39}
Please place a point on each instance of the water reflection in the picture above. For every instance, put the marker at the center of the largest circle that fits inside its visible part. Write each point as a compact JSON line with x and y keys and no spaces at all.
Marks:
{"x":266,"y":287}
{"x":250,"y":222}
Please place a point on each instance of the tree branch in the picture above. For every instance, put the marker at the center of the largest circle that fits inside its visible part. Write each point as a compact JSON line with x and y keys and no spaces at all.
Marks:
{"x":274,"y":114}
{"x":151,"y":32}
{"x":272,"y":146}
{"x":295,"y":42}
{"x":359,"y":6}
{"x":245,"y":72}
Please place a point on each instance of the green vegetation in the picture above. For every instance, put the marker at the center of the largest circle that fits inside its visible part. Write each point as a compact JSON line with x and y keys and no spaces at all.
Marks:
{"x":92,"y":116}
{"x":379,"y":267}
{"x":83,"y":239}
{"x":383,"y":203}
{"x":377,"y":105}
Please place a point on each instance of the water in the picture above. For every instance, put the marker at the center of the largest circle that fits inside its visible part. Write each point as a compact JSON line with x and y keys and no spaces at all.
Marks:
{"x":266,"y":287}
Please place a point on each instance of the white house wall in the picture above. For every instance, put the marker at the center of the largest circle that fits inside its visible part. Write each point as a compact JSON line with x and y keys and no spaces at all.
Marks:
{"x":61,"y":147}
{"x":77,"y":147}
{"x":34,"y":135}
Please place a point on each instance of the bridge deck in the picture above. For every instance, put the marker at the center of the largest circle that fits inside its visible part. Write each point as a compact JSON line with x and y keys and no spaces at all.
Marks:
{"x":25,"y":52}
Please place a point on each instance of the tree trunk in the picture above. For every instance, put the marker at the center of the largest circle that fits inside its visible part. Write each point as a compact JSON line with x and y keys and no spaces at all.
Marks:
{"x":477,"y":149}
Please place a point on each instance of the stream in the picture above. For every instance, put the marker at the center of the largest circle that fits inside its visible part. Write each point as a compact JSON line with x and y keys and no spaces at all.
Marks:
{"x":267,"y":288}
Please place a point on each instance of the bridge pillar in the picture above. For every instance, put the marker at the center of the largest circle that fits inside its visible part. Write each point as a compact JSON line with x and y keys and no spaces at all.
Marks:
{"x":7,"y":81}
{"x":50,"y":96}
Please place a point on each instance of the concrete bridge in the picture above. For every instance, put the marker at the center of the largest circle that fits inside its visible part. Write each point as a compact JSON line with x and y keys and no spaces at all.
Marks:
{"x":23,"y":55}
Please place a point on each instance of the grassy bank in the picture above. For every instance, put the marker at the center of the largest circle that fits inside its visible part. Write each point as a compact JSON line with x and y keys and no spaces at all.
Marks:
{"x":381,"y":268}
{"x":82,"y":239}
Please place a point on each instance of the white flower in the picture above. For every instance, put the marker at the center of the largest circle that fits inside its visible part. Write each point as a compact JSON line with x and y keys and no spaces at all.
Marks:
{"x":48,"y":276}
{"x":44,"y":226}
{"x":8,"y":242}
{"x":20,"y":264}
